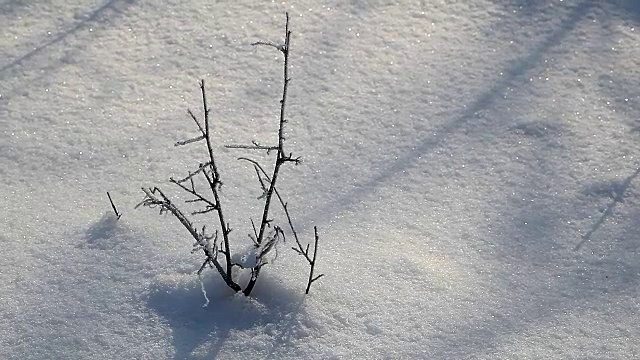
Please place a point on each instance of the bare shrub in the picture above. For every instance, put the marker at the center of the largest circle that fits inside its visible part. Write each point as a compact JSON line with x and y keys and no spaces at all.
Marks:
{"x":216,"y":244}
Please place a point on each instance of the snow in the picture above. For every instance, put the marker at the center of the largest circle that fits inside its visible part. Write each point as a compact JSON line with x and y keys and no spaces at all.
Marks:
{"x":471,"y":167}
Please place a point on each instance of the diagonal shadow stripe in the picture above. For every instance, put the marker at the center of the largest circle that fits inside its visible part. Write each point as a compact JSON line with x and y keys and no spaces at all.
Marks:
{"x":516,"y":70}
{"x":93,"y":16}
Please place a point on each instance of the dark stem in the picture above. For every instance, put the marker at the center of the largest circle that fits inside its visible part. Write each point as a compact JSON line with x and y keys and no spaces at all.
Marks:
{"x":118,"y":215}
{"x":300,"y":250}
{"x":313,"y":262}
{"x":214,"y":183}
{"x":151,"y":200}
{"x":281,"y":157}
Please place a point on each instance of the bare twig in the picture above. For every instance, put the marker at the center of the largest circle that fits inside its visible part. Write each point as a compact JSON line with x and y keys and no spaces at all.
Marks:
{"x":201,"y":168}
{"x":156,"y":198}
{"x":118,"y":215}
{"x":299,"y":249}
{"x":209,"y":205}
{"x":211,"y":175}
{"x":251,"y":147}
{"x":197,"y":122}
{"x":313,"y":262}
{"x":214,"y":180}
{"x":255,"y":233}
{"x":280,"y":47}
{"x":254,"y":146}
{"x":281,"y":158}
{"x":311,"y":259}
{"x":189,"y":141}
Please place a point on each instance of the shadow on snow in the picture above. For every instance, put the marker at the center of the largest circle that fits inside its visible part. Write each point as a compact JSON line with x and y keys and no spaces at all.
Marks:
{"x":270,"y":319}
{"x":93,"y":16}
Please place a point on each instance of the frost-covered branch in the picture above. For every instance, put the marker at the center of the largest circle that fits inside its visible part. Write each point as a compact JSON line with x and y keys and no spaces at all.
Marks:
{"x":266,"y":233}
{"x":155,"y":198}
{"x":311,"y":259}
{"x":281,"y":158}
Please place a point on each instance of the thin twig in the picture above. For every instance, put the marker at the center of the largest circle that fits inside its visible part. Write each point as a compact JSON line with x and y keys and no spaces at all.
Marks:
{"x":199,"y":198}
{"x":197,"y":122}
{"x":313,"y":261}
{"x":156,"y":198}
{"x":214,"y":180}
{"x":255,"y":232}
{"x":280,"y":47}
{"x":118,"y":215}
{"x":281,"y":158}
{"x":252,"y":147}
{"x":304,"y":252}
{"x":201,"y":168}
{"x":189,"y":141}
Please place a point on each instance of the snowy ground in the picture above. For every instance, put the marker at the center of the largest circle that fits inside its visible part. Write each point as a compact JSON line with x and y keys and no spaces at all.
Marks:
{"x":472,"y":167}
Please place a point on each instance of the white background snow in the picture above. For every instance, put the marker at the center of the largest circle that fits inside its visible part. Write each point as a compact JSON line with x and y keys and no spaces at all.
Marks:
{"x":472,"y":167}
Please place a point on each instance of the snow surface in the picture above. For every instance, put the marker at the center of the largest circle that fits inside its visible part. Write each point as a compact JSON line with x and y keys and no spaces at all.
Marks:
{"x":472,"y":167}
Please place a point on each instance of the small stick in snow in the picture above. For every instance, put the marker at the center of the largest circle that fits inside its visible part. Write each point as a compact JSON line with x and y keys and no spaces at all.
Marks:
{"x":118,"y":215}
